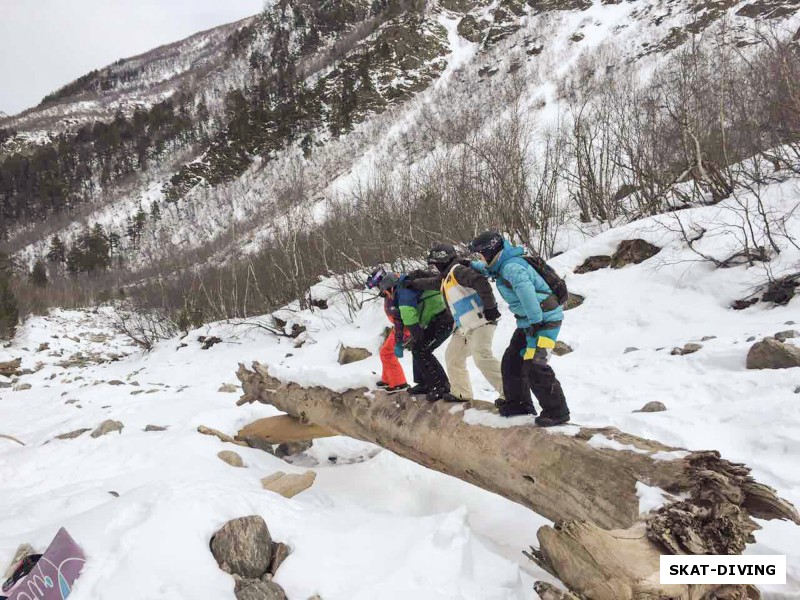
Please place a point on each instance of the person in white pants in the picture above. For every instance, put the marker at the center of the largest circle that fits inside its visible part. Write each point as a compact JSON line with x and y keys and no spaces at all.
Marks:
{"x":472,"y":304}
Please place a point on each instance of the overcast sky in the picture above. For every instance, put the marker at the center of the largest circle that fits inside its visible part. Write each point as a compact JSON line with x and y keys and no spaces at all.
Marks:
{"x":45,"y":44}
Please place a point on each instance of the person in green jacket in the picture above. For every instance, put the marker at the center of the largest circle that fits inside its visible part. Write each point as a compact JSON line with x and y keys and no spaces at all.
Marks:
{"x":425,"y":315}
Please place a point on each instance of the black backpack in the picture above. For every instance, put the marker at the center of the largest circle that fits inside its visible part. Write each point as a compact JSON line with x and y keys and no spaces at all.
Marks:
{"x":557,"y":285}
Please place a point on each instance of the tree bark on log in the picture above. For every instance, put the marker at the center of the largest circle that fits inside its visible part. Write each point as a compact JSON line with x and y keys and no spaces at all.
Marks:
{"x":601,"y":547}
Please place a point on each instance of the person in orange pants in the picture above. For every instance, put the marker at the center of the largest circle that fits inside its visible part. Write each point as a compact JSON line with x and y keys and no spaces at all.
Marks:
{"x":393,"y":379}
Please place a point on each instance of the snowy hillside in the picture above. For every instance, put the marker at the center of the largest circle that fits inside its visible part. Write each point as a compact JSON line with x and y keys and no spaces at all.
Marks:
{"x":144,"y":504}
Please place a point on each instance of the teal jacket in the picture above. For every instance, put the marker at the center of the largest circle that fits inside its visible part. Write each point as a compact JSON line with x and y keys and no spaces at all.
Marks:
{"x":521,"y":286}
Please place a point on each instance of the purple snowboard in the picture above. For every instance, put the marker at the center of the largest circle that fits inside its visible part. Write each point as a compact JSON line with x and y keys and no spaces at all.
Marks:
{"x":55,"y":573}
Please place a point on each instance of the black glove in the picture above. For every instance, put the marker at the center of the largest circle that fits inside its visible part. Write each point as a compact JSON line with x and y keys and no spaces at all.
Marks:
{"x":417,"y":333}
{"x":491,"y":314}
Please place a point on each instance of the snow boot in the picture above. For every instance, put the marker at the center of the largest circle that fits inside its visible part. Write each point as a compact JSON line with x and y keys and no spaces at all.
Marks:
{"x":507,"y":409}
{"x":442,"y":394}
{"x":393,"y":389}
{"x":547,"y":421}
{"x":418,"y":390}
{"x":382,"y":384}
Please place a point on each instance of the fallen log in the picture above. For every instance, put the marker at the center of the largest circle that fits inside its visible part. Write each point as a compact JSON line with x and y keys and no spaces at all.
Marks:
{"x":587,"y":481}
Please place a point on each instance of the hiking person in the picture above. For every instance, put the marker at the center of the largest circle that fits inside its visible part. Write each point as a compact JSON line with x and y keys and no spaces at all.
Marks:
{"x":393,"y":379}
{"x":472,"y":305}
{"x":425,"y":315}
{"x":539,"y":316}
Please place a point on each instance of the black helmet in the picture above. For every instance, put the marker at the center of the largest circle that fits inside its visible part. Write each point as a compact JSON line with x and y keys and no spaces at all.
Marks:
{"x":442,"y":256}
{"x":489,"y":244}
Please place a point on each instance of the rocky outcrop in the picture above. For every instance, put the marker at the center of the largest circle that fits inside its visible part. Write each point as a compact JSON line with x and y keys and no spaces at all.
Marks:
{"x":231,"y":458}
{"x":593,"y":263}
{"x":10,"y":368}
{"x":562,"y":348}
{"x":72,"y":434}
{"x":633,"y":252}
{"x":689,"y":348}
{"x":243,"y":547}
{"x":228,"y":388}
{"x":292,"y":448}
{"x":770,"y":353}
{"x":652,"y":406}
{"x":349,"y":355}
{"x":574,"y":301}
{"x":107,"y":427}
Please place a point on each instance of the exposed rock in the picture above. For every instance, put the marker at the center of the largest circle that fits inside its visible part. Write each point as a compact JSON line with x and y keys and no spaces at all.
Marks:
{"x":72,"y":434}
{"x":262,"y":590}
{"x":561,"y":348}
{"x":781,"y":291}
{"x":43,"y":346}
{"x":289,"y":485}
{"x":782,"y":336}
{"x":113,"y":493}
{"x":472,"y":29}
{"x":349,"y":355}
{"x":280,"y":552}
{"x":789,"y":323}
{"x":21,"y":387}
{"x":743,"y":304}
{"x":98,"y":338}
{"x":229,"y":388}
{"x":150,"y":428}
{"x":707,"y":338}
{"x":292,"y":448}
{"x":107,"y":427}
{"x":633,"y":252}
{"x":243,"y":547}
{"x":5,"y":384}
{"x":630,"y":349}
{"x":231,"y":458}
{"x":769,"y":353}
{"x":574,"y":301}
{"x":652,"y":406}
{"x":137,"y":392}
{"x":689,"y":348}
{"x":593,"y":263}
{"x":577,"y":36}
{"x":208,"y":342}
{"x":752,"y":338}
{"x":116,"y":382}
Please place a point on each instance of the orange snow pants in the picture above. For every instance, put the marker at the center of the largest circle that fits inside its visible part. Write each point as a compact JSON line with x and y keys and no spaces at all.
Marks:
{"x":393,"y":373}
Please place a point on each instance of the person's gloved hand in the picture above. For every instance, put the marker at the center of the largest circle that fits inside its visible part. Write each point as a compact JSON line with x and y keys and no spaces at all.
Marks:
{"x":479,"y":265}
{"x":492,"y":314}
{"x":398,"y":350}
{"x":417,"y":333}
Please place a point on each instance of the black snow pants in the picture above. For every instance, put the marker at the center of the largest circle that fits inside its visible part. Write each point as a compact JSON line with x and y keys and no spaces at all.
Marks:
{"x":521,"y":377}
{"x":428,"y":371}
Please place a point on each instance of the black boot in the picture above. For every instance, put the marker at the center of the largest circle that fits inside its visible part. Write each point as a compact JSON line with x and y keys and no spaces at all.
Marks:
{"x":418,"y":390}
{"x":443,"y":394}
{"x":507,"y":409}
{"x":546,"y":421}
{"x":393,"y":389}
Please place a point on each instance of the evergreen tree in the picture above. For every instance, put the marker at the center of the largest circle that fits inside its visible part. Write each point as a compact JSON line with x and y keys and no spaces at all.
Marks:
{"x":38,"y":275}
{"x":58,"y":252}
{"x":9,"y":311}
{"x":155,"y":212}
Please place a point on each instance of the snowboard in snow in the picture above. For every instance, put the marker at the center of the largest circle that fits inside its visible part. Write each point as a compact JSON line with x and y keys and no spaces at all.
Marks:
{"x":54,"y":575}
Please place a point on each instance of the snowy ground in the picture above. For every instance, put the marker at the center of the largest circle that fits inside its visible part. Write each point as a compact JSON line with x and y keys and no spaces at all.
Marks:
{"x":375,"y":525}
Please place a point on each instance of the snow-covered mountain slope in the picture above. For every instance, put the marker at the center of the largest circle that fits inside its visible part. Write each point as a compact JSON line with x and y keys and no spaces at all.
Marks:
{"x":395,"y":70}
{"x":375,"y":525}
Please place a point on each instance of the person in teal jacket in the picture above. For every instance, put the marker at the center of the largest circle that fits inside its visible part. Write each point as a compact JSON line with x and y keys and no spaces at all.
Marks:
{"x":525,"y":365}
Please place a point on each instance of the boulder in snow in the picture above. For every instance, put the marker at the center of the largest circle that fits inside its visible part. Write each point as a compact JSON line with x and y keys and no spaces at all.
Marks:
{"x":280,"y":552}
{"x":10,"y":368}
{"x":769,"y":353}
{"x":561,"y":348}
{"x":223,"y":437}
{"x":652,"y":406}
{"x":689,"y":348}
{"x":116,"y":382}
{"x":349,"y":355}
{"x":107,"y":427}
{"x":633,"y":252}
{"x":292,"y":448}
{"x":228,"y":388}
{"x":72,"y":434}
{"x":43,"y":347}
{"x":21,"y":387}
{"x":261,"y":590}
{"x":574,"y":301}
{"x":151,"y":428}
{"x":782,"y":336}
{"x":243,"y":547}
{"x":233,"y":459}
{"x":630,"y":349}
{"x":593,"y":263}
